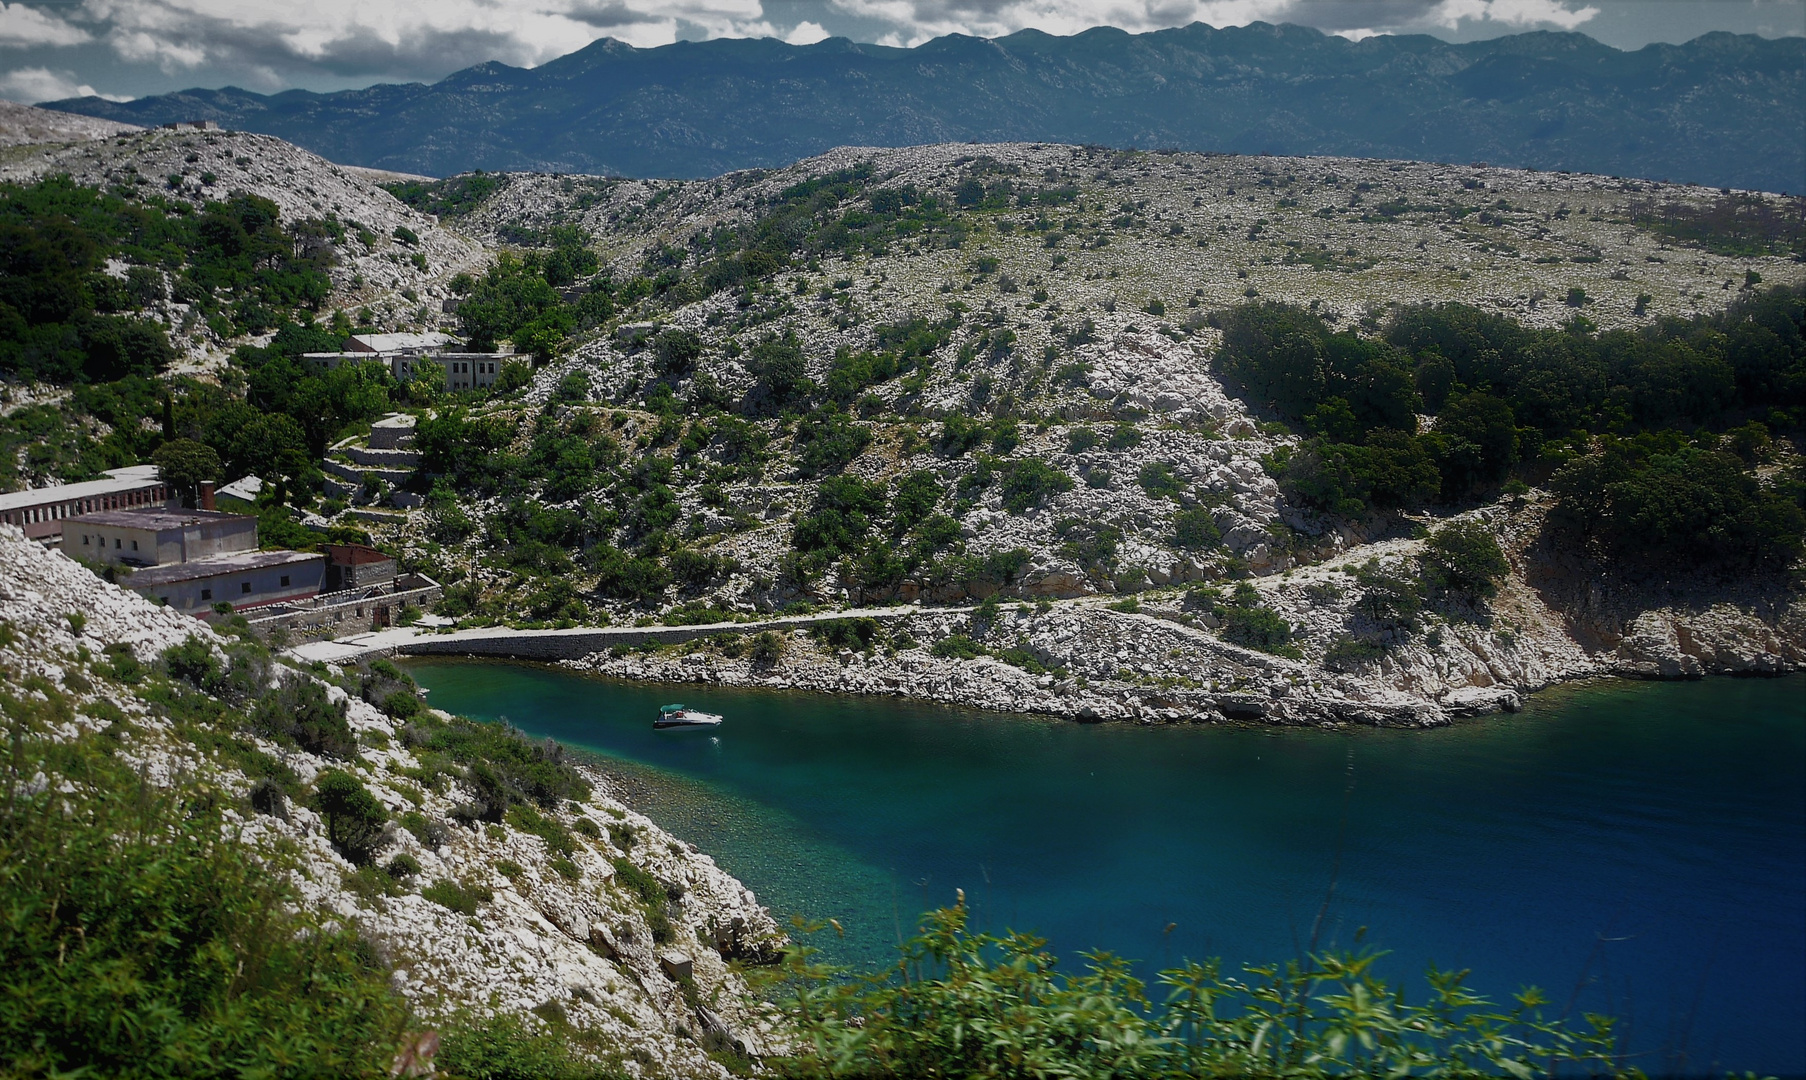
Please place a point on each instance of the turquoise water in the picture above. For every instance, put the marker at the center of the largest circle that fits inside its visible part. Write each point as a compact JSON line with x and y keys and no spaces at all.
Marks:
{"x":1635,"y":848}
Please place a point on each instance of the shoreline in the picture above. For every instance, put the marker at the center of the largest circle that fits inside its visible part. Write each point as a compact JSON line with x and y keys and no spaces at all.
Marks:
{"x":1135,"y":667}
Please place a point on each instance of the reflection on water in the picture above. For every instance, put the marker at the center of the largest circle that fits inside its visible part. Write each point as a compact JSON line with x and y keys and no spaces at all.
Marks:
{"x":1630,"y":847}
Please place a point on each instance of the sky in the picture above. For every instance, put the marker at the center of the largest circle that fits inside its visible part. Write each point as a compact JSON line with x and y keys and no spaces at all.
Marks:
{"x":120,"y":49}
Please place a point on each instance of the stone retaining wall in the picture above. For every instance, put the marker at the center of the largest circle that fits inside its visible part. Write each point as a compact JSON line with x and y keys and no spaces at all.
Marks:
{"x":580,"y":642}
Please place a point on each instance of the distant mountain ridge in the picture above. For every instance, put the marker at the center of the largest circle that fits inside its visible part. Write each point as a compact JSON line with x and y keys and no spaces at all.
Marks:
{"x":1723,"y":109}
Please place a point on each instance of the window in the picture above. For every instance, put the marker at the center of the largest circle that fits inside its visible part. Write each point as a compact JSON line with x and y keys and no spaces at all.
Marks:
{"x":206,"y":594}
{"x":164,"y":600}
{"x":84,"y":539}
{"x":244,"y":586}
{"x":116,"y":543}
{"x":134,"y":545}
{"x":285,"y":579}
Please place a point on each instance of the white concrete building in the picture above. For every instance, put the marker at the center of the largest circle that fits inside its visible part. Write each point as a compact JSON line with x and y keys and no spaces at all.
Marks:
{"x":42,"y":512}
{"x":157,"y":536}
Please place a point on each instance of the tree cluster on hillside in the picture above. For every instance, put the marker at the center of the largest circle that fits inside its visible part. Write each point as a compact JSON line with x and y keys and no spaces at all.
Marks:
{"x":64,"y":317}
{"x":1653,"y":437}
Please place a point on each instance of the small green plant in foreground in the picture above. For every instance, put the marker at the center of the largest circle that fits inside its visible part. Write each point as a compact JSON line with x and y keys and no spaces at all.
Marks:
{"x":962,"y":1004}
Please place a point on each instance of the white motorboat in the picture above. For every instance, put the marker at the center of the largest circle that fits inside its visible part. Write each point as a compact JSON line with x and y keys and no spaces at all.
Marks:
{"x":681,"y":716}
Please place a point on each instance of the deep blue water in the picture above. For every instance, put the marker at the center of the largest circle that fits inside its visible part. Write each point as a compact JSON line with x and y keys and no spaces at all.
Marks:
{"x":1634,"y":848}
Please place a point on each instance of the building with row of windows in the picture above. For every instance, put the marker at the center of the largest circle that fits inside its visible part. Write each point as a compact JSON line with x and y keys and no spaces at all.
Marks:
{"x":410,"y":356}
{"x":41,"y":512}
{"x":192,"y":560}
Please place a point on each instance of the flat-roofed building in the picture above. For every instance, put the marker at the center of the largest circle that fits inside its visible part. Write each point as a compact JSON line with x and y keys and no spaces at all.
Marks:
{"x":454,"y":370}
{"x":413,"y":344}
{"x":157,"y":536}
{"x":42,"y":512}
{"x":248,"y":579}
{"x":357,"y":566}
{"x":470,"y":371}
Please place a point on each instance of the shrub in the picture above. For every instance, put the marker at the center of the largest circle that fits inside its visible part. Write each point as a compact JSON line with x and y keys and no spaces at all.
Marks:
{"x":193,"y":662}
{"x":299,"y":712}
{"x":454,"y":896}
{"x":858,"y":634}
{"x":1350,"y":653}
{"x":355,"y":821}
{"x":1029,"y":482}
{"x":1252,"y":625}
{"x":143,"y":939}
{"x":1158,"y":480}
{"x":1196,"y":530}
{"x":958,"y":1003}
{"x":957,"y":647}
{"x":767,"y":648}
{"x":1465,"y":558}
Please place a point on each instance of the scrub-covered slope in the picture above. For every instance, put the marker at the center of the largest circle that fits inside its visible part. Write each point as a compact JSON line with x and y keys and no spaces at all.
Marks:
{"x":483,"y":876}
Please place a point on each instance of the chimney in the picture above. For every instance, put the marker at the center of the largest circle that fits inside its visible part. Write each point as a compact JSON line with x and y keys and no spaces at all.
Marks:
{"x":206,"y":494}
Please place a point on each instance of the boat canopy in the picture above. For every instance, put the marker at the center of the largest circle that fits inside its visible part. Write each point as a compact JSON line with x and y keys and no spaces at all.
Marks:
{"x":670,"y":708}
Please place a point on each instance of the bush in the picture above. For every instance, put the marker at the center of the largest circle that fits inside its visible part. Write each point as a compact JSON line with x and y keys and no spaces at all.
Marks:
{"x":767,"y":648}
{"x":456,"y":897}
{"x":1196,"y":530}
{"x":1350,"y":653}
{"x":144,"y":940}
{"x":1157,"y":479}
{"x":1466,"y":559}
{"x":298,"y":712}
{"x":1028,"y":482}
{"x":961,"y":1004}
{"x":1252,"y":625}
{"x":193,"y":662}
{"x":355,"y":821}
{"x":858,"y":634}
{"x":957,"y":647}
{"x":1656,"y":504}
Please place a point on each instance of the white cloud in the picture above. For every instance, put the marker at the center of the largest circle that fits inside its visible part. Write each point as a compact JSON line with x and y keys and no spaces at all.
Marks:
{"x":25,"y":27}
{"x":1450,"y":13}
{"x":807,"y":33}
{"x":263,"y":39}
{"x":35,"y":84}
{"x":919,"y":20}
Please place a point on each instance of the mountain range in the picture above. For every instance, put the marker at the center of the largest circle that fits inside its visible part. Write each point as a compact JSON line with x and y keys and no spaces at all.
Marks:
{"x":1723,"y":109}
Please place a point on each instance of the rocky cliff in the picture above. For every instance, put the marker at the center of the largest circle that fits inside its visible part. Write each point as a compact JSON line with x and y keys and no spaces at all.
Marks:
{"x":624,"y":934}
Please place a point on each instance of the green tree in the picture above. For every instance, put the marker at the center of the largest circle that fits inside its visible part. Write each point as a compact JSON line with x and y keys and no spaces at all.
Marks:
{"x":184,"y":464}
{"x":355,"y":821}
{"x":1464,"y":557}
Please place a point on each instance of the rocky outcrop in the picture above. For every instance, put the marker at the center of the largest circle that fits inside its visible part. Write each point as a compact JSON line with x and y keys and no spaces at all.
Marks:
{"x":1165,"y":662}
{"x":557,"y":936}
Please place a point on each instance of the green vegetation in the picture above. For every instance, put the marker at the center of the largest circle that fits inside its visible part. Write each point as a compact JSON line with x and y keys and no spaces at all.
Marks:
{"x":1247,"y":622}
{"x":959,"y":1003}
{"x":63,"y":318}
{"x":1734,"y":224}
{"x":453,"y":197}
{"x":1625,"y":417}
{"x":1463,"y":557}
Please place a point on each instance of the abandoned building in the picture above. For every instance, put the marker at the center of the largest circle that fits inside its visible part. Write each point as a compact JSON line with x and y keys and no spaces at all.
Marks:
{"x":192,"y":560}
{"x":42,"y":512}
{"x":409,"y":356}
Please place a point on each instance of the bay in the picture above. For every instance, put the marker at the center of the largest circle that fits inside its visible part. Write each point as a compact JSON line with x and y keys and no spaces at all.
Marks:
{"x":1632,"y":848}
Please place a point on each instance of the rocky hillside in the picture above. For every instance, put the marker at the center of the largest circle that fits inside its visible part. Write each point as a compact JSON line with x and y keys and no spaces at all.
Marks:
{"x":569,"y":910}
{"x":22,"y":125}
{"x":998,"y":371}
{"x":401,"y":282}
